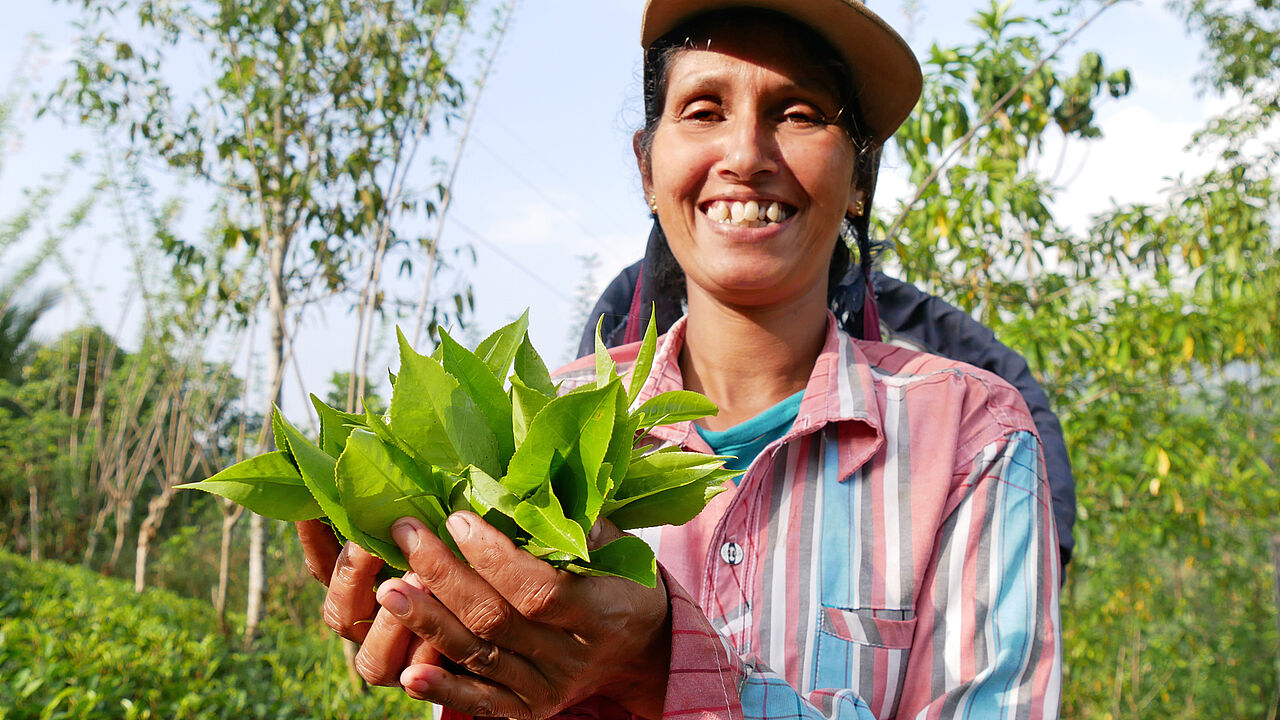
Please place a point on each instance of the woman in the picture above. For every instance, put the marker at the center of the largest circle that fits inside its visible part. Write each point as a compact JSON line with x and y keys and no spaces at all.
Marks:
{"x":889,"y":550}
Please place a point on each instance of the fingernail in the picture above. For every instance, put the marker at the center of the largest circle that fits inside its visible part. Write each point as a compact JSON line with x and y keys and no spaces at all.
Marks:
{"x":594,"y":536}
{"x":420,"y":678}
{"x":405,"y":535}
{"x":459,"y":526}
{"x":395,"y":603}
{"x":355,"y":553}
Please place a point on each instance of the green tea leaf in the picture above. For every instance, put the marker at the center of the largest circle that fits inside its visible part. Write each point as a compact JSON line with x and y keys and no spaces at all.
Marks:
{"x":627,"y":557}
{"x":550,"y":555}
{"x":478,"y":382}
{"x":673,"y":407}
{"x":278,"y":436}
{"x":532,"y":371}
{"x":606,"y":368}
{"x":488,"y":499}
{"x":621,"y":442}
{"x":489,"y":494}
{"x":318,"y":472}
{"x":644,"y":360}
{"x":268,"y":484}
{"x":376,"y":491}
{"x":433,"y":414}
{"x":335,"y":426}
{"x":543,"y":517}
{"x":676,"y":506}
{"x":604,"y":486}
{"x":431,"y":479}
{"x":660,"y":471}
{"x":526,"y":403}
{"x":573,"y":428}
{"x":499,"y":349}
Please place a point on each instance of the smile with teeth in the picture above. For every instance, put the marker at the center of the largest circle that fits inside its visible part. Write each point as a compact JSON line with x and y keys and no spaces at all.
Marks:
{"x":747,"y":214}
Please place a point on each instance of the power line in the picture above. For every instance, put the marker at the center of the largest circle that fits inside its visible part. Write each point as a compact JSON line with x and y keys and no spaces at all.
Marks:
{"x":536,"y":190}
{"x":453,"y":219}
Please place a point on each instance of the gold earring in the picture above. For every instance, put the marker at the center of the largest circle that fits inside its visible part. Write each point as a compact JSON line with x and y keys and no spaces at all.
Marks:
{"x":859,"y":208}
{"x":653,"y":204}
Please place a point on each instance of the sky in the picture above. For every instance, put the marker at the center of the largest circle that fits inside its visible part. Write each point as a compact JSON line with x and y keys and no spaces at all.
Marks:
{"x":548,"y":176}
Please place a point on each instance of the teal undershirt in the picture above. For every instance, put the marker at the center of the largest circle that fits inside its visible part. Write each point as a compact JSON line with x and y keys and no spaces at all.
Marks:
{"x":745,"y":440}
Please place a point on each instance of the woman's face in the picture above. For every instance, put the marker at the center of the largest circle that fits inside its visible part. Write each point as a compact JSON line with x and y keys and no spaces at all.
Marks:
{"x":750,"y":174}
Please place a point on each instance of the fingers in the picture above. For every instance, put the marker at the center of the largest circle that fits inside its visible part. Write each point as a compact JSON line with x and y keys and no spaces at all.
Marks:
{"x":384,"y":653}
{"x":602,"y":533}
{"x":470,"y":695}
{"x":422,"y":613}
{"x":390,"y":646}
{"x":350,"y":603}
{"x":320,"y":548}
{"x":536,"y":590}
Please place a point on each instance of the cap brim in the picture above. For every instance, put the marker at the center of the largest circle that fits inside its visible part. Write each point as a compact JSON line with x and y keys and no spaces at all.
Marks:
{"x":886,"y":74}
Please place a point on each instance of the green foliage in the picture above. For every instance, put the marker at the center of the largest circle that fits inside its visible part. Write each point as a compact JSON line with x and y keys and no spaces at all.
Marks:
{"x":1154,"y":334}
{"x":83,"y":419}
{"x":450,"y":445}
{"x":321,"y":106}
{"x":76,"y":645}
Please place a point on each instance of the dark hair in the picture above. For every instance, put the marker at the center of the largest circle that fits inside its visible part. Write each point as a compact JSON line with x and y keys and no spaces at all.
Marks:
{"x":658,"y":59}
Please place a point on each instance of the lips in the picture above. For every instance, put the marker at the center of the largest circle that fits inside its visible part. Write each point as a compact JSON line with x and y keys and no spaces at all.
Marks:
{"x":748,"y":213}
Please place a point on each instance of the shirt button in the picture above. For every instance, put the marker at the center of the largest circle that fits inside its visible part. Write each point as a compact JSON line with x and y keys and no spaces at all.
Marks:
{"x":731,"y":552}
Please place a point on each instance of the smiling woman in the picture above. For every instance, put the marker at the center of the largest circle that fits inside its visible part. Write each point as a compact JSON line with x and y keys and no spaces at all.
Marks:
{"x":888,"y":551}
{"x":746,"y":127}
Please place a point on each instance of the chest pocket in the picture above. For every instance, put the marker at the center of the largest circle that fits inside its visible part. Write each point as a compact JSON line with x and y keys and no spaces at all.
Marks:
{"x":865,"y":650}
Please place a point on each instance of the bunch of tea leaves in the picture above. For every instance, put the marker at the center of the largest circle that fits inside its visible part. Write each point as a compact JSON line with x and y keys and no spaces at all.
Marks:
{"x":487,"y":431}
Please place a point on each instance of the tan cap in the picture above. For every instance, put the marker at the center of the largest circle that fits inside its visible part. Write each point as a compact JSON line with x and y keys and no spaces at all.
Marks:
{"x":886,"y":75}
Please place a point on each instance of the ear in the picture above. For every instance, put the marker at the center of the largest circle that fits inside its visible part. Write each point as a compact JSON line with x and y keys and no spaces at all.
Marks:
{"x":642,"y":162}
{"x":857,"y":201}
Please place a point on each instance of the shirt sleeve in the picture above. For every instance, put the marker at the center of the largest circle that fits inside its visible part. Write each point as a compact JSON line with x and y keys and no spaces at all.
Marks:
{"x":988,"y":638}
{"x":943,"y":329}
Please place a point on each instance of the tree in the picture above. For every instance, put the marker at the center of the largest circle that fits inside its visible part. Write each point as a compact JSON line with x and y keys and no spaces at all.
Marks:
{"x":309,"y":130}
{"x":20,"y":310}
{"x":1154,"y":335}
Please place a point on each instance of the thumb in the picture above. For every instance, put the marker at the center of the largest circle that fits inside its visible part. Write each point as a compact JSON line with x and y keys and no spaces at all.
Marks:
{"x":602,"y":533}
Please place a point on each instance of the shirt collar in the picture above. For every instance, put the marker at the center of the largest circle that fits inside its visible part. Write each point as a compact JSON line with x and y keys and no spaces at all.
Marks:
{"x":841,"y":389}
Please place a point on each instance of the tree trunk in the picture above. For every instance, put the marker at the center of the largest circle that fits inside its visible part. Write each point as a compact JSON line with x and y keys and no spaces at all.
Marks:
{"x":257,"y":529}
{"x":122,"y":525}
{"x":91,"y":547}
{"x":257,"y":578}
{"x":147,"y":533}
{"x":230,"y":514}
{"x":33,"y":507}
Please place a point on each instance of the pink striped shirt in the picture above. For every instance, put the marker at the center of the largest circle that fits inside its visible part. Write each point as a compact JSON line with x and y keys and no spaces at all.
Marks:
{"x":892,"y":555}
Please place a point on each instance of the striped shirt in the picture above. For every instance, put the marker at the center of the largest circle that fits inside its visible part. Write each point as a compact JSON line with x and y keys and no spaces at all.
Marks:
{"x":892,"y":555}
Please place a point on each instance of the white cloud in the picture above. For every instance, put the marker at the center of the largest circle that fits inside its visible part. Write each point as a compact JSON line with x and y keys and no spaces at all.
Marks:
{"x":1137,"y":160}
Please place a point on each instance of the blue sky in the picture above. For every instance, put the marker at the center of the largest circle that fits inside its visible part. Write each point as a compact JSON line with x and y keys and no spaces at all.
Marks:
{"x":548,"y":175}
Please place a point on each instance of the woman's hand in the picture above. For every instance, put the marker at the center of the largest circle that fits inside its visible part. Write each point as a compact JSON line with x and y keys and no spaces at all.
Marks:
{"x":350,"y":606}
{"x":531,"y":640}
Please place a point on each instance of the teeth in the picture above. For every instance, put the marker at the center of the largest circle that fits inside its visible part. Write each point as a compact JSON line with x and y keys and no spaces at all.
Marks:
{"x":719,"y":211}
{"x":748,"y":214}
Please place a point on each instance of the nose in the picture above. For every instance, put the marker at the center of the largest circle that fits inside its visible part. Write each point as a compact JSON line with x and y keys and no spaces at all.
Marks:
{"x":750,"y":150}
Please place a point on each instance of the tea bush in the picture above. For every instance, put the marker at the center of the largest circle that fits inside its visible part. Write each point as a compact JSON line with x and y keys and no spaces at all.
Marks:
{"x":77,"y":645}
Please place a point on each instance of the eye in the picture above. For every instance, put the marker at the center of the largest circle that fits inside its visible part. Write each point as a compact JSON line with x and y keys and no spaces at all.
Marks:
{"x":804,"y":116}
{"x":702,"y":112}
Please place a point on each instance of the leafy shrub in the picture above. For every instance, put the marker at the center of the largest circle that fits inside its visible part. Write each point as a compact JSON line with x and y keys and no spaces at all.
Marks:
{"x":77,"y":645}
